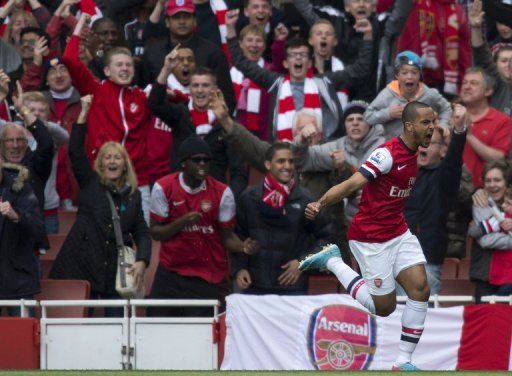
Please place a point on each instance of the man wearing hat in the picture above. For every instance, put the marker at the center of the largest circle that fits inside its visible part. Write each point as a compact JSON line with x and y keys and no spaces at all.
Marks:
{"x":181,"y":23}
{"x":193,"y":215}
{"x":387,"y":107}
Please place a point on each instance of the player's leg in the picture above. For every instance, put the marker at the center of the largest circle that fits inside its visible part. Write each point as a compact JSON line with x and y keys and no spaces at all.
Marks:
{"x":329,"y":258}
{"x":410,"y":273}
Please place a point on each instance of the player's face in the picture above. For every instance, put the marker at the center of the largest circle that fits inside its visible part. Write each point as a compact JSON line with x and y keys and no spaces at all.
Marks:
{"x":473,"y":88}
{"x":423,"y":126}
{"x":504,"y":65}
{"x":360,"y":8}
{"x":357,"y":128}
{"x":408,"y":77}
{"x":297,"y":62}
{"x":197,"y":167}
{"x":281,"y":166}
{"x":253,"y":46}
{"x":258,"y":12}
{"x":494,"y":184}
{"x":120,"y":70}
{"x":507,"y":205}
{"x":186,"y":66}
{"x":323,"y":40}
{"x":432,"y":155}
{"x":201,"y":87}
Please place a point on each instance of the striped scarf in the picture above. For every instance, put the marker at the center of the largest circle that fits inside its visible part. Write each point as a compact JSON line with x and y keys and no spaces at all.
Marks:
{"x":286,"y":106}
{"x":342,"y":93}
{"x":219,"y":9}
{"x":202,"y":120}
{"x":181,"y":93}
{"x":248,"y":96}
{"x":275,"y":194}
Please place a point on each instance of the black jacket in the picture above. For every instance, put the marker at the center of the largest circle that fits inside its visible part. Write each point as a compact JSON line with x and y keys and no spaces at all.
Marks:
{"x":89,"y":251}
{"x":19,"y":272}
{"x":426,"y":210}
{"x":223,"y":155}
{"x":206,"y":54}
{"x":279,"y":243}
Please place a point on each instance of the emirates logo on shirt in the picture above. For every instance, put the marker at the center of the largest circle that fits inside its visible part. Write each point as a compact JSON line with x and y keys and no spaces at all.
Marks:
{"x":206,"y":206}
{"x":133,"y":107}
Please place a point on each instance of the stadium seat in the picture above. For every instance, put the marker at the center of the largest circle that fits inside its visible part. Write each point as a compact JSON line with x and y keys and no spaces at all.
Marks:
{"x":464,"y":269}
{"x":66,"y":220}
{"x":64,"y":289}
{"x":47,"y":259}
{"x":450,"y":267}
{"x":323,"y":284}
{"x":457,"y":287}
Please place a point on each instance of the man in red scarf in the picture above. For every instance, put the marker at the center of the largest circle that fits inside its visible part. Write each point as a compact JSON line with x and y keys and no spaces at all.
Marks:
{"x":270,"y":213}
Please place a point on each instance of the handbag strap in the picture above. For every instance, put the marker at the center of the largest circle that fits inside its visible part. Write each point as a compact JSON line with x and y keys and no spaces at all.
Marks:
{"x":119,"y":238}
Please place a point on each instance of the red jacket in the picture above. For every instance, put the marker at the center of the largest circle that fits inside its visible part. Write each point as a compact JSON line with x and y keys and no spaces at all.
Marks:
{"x":117,"y":113}
{"x":410,"y":39}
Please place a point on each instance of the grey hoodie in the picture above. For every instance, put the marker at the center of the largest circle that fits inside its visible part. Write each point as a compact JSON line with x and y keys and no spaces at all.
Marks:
{"x":378,"y":111}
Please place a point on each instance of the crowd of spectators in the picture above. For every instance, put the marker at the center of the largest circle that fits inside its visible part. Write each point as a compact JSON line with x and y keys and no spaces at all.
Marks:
{"x":169,"y":106}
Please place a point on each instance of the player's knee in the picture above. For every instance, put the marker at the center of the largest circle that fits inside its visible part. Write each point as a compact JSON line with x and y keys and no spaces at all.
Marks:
{"x":420,"y":291}
{"x":385,"y":310}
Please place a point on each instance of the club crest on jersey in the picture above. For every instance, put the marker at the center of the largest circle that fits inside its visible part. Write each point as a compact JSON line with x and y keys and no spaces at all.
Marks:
{"x":377,"y":157}
{"x":206,"y":206}
{"x":341,"y":338}
{"x":133,"y":107}
{"x":180,"y":3}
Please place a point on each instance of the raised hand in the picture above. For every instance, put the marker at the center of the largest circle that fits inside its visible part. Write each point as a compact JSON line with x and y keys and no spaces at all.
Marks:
{"x":4,"y":85}
{"x":84,"y":21}
{"x":281,"y":32}
{"x":218,"y":105}
{"x":312,"y":210}
{"x":364,"y":26}
{"x":231,"y":17}
{"x":85,"y":103}
{"x":171,"y":59}
{"x":338,"y":159}
{"x":64,"y":9}
{"x":17,"y":99}
{"x":460,"y":117}
{"x":476,"y":15}
{"x":40,"y":50}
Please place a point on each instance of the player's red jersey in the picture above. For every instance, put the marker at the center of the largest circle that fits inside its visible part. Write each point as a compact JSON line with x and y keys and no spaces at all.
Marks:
{"x":196,"y":251}
{"x":391,"y":170}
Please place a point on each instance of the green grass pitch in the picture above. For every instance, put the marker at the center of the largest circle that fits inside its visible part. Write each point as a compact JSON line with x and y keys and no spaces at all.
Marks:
{"x":235,"y":373}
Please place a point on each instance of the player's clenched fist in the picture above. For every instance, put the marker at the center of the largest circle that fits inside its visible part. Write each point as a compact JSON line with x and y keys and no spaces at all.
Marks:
{"x":312,"y":210}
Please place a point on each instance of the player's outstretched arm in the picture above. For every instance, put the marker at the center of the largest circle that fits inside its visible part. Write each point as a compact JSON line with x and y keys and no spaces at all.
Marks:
{"x":336,"y":194}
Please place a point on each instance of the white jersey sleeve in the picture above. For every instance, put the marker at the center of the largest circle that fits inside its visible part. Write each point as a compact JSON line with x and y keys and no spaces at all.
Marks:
{"x":227,"y":207}
{"x":378,"y":163}
{"x":159,"y":203}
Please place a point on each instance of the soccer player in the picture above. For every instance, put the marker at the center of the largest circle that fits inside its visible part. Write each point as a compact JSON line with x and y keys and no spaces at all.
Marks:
{"x":378,"y":235}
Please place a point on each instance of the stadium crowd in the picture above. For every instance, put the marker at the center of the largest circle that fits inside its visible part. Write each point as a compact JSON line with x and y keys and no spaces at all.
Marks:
{"x":176,"y":108}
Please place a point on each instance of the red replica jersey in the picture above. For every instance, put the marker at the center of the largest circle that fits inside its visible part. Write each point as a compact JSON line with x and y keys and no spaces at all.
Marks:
{"x":391,"y":170}
{"x":197,"y":250}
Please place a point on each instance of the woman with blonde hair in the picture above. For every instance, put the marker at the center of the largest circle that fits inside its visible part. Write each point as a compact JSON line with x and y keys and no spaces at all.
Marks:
{"x":89,"y":252}
{"x":19,"y":19}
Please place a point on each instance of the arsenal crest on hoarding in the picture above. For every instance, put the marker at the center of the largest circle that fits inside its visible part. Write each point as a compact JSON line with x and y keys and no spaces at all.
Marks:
{"x":341,"y":338}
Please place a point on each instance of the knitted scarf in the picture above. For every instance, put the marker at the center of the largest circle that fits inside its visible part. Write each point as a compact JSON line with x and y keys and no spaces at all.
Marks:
{"x":275,"y":194}
{"x":248,"y":96}
{"x":181,"y":93}
{"x":202,"y":120}
{"x":286,"y":106}
{"x":448,"y":24}
{"x":342,"y":93}
{"x":219,"y":9}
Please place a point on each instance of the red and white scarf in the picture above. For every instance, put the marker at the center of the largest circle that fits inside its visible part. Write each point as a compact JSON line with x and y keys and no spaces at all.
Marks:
{"x":219,"y":9}
{"x":342,"y":93}
{"x":449,"y":25}
{"x":202,"y":120}
{"x":275,"y":194}
{"x":181,"y":93}
{"x":5,"y":114}
{"x":248,"y":96}
{"x":286,"y":106}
